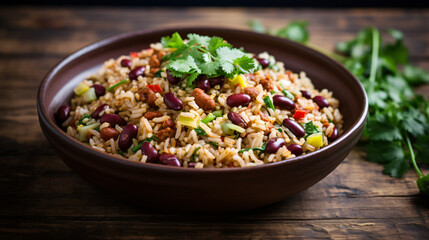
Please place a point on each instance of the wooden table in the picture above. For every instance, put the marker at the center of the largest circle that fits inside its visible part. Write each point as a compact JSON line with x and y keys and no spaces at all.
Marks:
{"x":41,"y":198}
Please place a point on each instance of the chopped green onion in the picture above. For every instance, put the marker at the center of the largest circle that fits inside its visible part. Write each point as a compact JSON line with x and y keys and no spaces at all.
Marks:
{"x":215,"y":145}
{"x":229,"y":128}
{"x":117,"y":84}
{"x":80,"y":122}
{"x":288,"y":94}
{"x":268,"y":102}
{"x":136,"y":148}
{"x":280,"y":129}
{"x":80,"y":89}
{"x":200,"y":131}
{"x":272,"y":92}
{"x":194,"y":154}
{"x":89,"y":95}
{"x":83,"y":131}
{"x":210,"y":117}
{"x":188,"y":121}
{"x":218,"y":113}
{"x":262,"y":148}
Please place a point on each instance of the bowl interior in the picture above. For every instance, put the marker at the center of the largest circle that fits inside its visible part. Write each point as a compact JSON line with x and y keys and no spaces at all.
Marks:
{"x":57,"y":88}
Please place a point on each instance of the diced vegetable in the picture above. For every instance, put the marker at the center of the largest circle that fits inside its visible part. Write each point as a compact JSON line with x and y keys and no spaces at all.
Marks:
{"x":229,"y":128}
{"x":155,"y":88}
{"x":268,"y":102}
{"x":117,"y":84}
{"x":200,"y":131}
{"x":310,"y":129}
{"x":158,"y":74}
{"x":194,"y":154}
{"x":218,"y":113}
{"x":89,"y":95}
{"x":288,"y":94}
{"x":210,"y":117}
{"x":80,"y":89}
{"x":315,"y":140}
{"x":82,"y":119}
{"x":134,"y":54}
{"x":188,"y":121}
{"x":239,"y":79}
{"x":83,"y":131}
{"x":262,"y":148}
{"x":299,"y":114}
{"x":215,"y":145}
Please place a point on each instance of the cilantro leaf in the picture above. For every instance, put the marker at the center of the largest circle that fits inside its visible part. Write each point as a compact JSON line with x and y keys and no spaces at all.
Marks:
{"x":415,"y":75}
{"x":175,"y":41}
{"x":310,"y":128}
{"x":257,"y":26}
{"x":295,"y":31}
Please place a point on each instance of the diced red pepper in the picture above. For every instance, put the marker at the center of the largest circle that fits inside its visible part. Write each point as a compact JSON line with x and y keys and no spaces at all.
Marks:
{"x":134,"y":54}
{"x":299,"y":114}
{"x":155,"y":88}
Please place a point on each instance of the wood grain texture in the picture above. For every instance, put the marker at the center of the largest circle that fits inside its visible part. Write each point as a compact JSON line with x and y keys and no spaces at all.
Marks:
{"x":41,"y":197}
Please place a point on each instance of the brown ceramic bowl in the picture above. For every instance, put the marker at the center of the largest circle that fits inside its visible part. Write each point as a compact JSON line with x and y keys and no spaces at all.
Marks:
{"x":172,"y":188}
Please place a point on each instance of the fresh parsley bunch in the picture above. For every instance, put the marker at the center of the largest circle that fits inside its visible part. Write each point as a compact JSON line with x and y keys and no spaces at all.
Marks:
{"x":397,"y":129}
{"x":211,"y":56}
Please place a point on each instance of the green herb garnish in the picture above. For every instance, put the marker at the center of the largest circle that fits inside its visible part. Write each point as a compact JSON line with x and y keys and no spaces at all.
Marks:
{"x":218,"y":113}
{"x":85,"y":116}
{"x":269,"y":103}
{"x":194,"y":154}
{"x":215,"y":145}
{"x":210,"y":117}
{"x":200,"y":131}
{"x":262,"y":148}
{"x":211,"y":56}
{"x":309,"y":129}
{"x":117,"y":85}
{"x":158,"y":74}
{"x":397,"y":130}
{"x":136,"y":148}
{"x":288,"y":94}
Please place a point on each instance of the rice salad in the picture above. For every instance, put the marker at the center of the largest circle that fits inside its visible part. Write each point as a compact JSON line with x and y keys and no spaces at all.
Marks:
{"x":200,"y":103}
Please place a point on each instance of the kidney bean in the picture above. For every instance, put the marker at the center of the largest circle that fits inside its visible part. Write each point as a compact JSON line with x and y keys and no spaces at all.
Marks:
{"x":126,"y":63}
{"x":237,"y":119}
{"x":274,"y":144}
{"x":334,"y":134}
{"x":98,"y":110}
{"x":169,"y":159}
{"x":113,"y":119}
{"x":172,"y":79}
{"x":63,"y":113}
{"x":203,"y":100}
{"x":150,"y":152}
{"x":99,"y":90}
{"x":239,"y":99}
{"x":136,"y":72}
{"x":295,"y":149}
{"x":126,"y":138}
{"x":321,"y":101}
{"x":283,"y":102}
{"x":294,"y":127}
{"x":306,"y":94}
{"x":216,"y":81}
{"x":108,"y":133}
{"x":152,"y":115}
{"x":172,"y":101}
{"x":264,"y":62}
{"x":203,"y":84}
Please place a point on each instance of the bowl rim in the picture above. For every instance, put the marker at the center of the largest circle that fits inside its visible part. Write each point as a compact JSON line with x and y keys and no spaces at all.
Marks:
{"x":43,"y":116}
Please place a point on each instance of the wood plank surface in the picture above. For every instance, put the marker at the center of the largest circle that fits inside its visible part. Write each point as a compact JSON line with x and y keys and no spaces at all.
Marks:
{"x":41,"y":198}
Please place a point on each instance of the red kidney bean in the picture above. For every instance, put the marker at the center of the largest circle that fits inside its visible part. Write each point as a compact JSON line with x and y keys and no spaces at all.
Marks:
{"x":321,"y":101}
{"x":63,"y":113}
{"x":295,"y":149}
{"x":97,"y":111}
{"x":172,"y":101}
{"x":239,"y":99}
{"x":216,"y":81}
{"x":126,"y":138}
{"x":136,"y":72}
{"x":113,"y":119}
{"x":99,"y":90}
{"x":264,"y":62}
{"x":334,"y":134}
{"x":172,"y":79}
{"x":237,"y":119}
{"x":108,"y":133}
{"x":294,"y":127}
{"x":306,"y":94}
{"x":283,"y":102}
{"x":169,"y":159}
{"x":203,"y":84}
{"x":126,"y":63}
{"x":150,"y":152}
{"x":274,"y":144}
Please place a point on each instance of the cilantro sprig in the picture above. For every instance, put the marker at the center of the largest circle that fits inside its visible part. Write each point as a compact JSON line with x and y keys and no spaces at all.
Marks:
{"x":397,"y":130}
{"x":211,"y":56}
